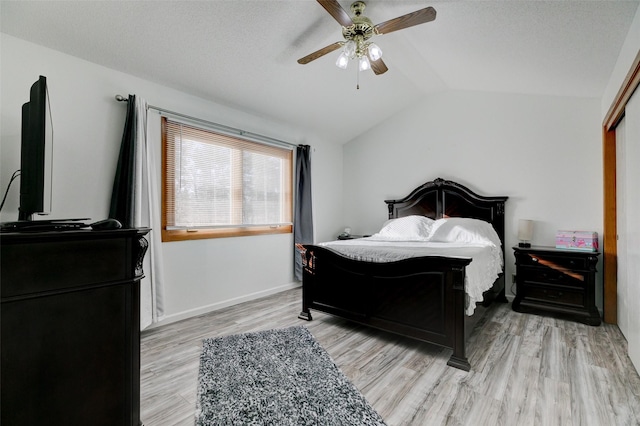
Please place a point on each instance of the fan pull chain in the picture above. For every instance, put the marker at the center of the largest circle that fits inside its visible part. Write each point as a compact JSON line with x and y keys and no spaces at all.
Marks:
{"x":357,"y":78}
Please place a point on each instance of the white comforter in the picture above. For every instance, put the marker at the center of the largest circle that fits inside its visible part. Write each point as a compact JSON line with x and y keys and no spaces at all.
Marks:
{"x":483,"y":270}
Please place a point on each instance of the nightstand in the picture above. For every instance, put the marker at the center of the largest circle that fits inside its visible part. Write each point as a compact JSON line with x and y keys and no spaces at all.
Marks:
{"x":555,"y":280}
{"x":349,"y":237}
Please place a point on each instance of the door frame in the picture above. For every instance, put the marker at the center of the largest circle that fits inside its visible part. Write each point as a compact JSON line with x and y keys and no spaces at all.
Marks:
{"x":610,"y":237}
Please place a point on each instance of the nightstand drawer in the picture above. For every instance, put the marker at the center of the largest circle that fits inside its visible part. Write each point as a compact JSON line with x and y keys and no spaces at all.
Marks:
{"x":548,"y":275}
{"x":553,"y":295}
{"x":553,"y":261}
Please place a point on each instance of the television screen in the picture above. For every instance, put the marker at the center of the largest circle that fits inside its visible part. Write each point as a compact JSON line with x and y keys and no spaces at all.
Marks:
{"x":36,"y":153}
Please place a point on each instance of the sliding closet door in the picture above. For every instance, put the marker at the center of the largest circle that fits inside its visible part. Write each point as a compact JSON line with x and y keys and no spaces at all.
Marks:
{"x":621,"y":219}
{"x":630,"y":214}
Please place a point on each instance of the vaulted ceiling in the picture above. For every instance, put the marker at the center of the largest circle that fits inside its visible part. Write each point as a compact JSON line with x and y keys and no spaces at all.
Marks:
{"x":243,"y":53}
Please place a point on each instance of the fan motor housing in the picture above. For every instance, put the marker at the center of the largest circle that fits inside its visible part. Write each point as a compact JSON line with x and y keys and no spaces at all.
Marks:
{"x":362,"y":26}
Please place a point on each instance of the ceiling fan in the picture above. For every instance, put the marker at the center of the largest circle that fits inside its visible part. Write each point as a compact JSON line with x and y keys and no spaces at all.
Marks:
{"x":358,"y":30}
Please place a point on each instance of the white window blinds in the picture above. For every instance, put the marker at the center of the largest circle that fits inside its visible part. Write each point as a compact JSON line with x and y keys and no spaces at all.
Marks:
{"x":214,"y":180}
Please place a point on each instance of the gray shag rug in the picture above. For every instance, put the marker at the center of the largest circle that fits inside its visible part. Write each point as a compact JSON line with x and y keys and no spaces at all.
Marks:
{"x":276,"y":377}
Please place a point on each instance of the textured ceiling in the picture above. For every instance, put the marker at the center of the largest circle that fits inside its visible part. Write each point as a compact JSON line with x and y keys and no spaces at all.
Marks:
{"x":243,"y":53}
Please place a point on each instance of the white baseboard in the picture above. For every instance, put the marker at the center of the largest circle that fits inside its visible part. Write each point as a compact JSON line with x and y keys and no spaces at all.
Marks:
{"x":168,"y":319}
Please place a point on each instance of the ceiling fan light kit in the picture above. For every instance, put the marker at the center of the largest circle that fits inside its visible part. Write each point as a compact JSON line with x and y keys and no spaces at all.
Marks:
{"x":357,"y":31}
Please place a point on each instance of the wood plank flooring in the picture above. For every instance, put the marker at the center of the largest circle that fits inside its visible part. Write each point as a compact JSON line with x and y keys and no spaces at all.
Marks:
{"x":525,"y":369}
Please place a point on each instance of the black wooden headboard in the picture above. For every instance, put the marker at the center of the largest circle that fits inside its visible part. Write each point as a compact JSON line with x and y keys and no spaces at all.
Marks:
{"x":443,"y":198}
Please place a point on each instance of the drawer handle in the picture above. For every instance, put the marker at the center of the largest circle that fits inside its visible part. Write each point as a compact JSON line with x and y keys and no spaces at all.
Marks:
{"x":555,"y":296}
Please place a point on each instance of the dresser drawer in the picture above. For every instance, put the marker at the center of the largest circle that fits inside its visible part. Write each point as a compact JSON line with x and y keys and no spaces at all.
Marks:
{"x":559,"y":296}
{"x":53,"y":268}
{"x":553,"y":261}
{"x":548,"y":275}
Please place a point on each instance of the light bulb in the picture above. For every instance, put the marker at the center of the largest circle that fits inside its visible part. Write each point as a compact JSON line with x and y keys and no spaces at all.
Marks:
{"x":364,"y":63}
{"x":375,"y":52}
{"x":343,"y":61}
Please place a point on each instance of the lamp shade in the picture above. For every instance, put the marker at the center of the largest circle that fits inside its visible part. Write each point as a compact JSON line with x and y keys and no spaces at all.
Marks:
{"x":375,"y":52}
{"x":343,"y":61}
{"x":364,"y":64}
{"x":525,"y":230}
{"x":350,"y":48}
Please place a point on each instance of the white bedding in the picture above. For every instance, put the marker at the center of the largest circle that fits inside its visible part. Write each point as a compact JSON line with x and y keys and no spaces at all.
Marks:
{"x":452,"y":237}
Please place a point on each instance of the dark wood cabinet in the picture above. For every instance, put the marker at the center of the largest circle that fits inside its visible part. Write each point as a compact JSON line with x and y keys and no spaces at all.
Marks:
{"x":70,"y":311}
{"x":555,"y":280}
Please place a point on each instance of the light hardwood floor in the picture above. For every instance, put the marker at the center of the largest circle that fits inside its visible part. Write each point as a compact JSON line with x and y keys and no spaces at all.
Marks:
{"x":525,"y":369}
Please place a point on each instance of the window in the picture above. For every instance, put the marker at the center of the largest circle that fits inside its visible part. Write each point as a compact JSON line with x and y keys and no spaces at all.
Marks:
{"x":216,"y":185}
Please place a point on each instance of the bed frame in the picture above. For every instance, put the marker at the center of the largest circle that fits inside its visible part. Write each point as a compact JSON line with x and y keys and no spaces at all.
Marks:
{"x":423,"y":297}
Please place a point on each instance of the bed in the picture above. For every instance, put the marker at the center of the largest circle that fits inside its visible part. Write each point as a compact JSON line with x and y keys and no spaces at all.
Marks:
{"x":421,"y":297}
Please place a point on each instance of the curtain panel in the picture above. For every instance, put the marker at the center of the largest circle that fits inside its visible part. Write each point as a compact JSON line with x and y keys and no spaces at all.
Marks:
{"x":122,"y":203}
{"x":135,"y":202}
{"x":302,"y":216}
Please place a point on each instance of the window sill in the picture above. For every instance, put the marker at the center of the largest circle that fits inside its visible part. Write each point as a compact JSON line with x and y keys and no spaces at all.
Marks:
{"x":201,"y":234}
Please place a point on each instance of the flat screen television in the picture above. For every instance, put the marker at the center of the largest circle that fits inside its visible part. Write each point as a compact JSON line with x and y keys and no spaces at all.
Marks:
{"x":36,"y":153}
{"x":36,"y":167}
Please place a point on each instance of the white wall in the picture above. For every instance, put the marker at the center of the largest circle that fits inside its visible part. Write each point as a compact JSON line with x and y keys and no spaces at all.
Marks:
{"x":543,"y":152}
{"x":88,"y":125}
{"x":628,"y":53}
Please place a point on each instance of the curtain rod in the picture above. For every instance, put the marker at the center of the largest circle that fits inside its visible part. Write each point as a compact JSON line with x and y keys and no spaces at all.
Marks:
{"x":217,"y":126}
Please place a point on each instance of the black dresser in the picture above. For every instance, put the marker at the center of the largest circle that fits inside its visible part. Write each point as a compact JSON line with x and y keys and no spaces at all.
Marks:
{"x":70,"y":308}
{"x":555,"y":280}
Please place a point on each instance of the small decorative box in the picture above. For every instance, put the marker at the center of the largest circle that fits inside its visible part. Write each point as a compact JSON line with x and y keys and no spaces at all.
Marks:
{"x":577,"y":240}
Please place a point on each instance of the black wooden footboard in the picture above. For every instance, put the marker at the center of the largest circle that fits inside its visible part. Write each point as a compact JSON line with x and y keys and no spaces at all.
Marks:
{"x":421,"y":297}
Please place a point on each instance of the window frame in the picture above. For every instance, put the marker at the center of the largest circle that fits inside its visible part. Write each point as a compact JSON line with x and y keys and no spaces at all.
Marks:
{"x":168,"y":190}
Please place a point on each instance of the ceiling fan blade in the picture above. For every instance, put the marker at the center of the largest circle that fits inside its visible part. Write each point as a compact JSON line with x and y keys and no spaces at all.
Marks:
{"x":378,"y":67}
{"x":318,"y":53}
{"x":421,"y":16}
{"x":338,"y":13}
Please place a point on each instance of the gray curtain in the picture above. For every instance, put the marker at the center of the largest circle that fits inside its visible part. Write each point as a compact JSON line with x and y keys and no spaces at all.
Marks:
{"x":302,"y":216}
{"x":122,"y":199}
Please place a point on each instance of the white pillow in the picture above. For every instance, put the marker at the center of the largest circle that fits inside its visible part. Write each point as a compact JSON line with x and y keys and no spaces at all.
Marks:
{"x":409,"y":228}
{"x":464,"y":230}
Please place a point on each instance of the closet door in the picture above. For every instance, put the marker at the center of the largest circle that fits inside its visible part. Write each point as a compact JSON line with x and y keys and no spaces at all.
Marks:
{"x":628,"y":241}
{"x":621,"y":218}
